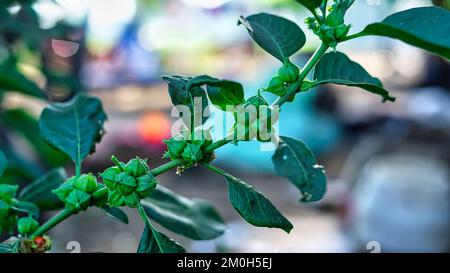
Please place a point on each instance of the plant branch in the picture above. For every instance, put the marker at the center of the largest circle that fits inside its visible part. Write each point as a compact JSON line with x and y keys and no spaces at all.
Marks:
{"x":292,"y":90}
{"x":65,"y":213}
{"x":55,"y":220}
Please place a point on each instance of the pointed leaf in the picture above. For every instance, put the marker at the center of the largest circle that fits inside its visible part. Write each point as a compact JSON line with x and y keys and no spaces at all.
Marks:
{"x":180,"y":95}
{"x":221,"y":92}
{"x":278,"y":36}
{"x":310,"y":4}
{"x":425,"y":27}
{"x":13,"y":80}
{"x":254,"y":207}
{"x":40,"y":192}
{"x":153,"y":241}
{"x":337,"y":68}
{"x":193,"y":218}
{"x":74,"y":127}
{"x":116,"y":213}
{"x":27,"y":126}
{"x":296,"y":162}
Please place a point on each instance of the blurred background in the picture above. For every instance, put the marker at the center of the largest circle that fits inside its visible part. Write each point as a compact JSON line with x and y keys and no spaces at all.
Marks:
{"x":387,"y":163}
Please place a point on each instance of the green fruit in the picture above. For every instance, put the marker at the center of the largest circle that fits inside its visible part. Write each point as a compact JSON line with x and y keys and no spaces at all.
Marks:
{"x":146,"y":185}
{"x":125,"y":183}
{"x":132,"y":200}
{"x":86,"y":183}
{"x":288,"y":72}
{"x":192,"y":153}
{"x":137,"y":167}
{"x":27,"y":225}
{"x":175,"y":147}
{"x":276,"y":86}
{"x":109,"y":176}
{"x":63,"y":190}
{"x":78,"y":200}
{"x":115,"y":199}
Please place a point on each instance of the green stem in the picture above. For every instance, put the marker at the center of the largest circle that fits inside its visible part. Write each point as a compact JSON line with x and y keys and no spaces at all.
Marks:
{"x":58,"y":218}
{"x":77,"y":169}
{"x":166,"y":167}
{"x":217,"y":170}
{"x":305,"y":71}
{"x":319,"y":20}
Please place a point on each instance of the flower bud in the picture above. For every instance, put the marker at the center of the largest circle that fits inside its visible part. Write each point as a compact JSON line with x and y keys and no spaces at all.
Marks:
{"x":125,"y":183}
{"x":78,"y":200}
{"x":146,"y":185}
{"x":276,"y":86}
{"x":27,"y":225}
{"x":109,"y":177}
{"x":136,"y":167}
{"x":288,"y":72}
{"x":86,"y":183}
{"x":175,"y":147}
{"x":192,"y":153}
{"x":64,"y":190}
{"x":115,"y":199}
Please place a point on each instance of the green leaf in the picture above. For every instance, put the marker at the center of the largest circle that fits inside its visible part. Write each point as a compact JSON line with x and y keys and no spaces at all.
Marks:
{"x":40,"y":193}
{"x":278,"y":36}
{"x":296,"y":162}
{"x":26,"y":207}
{"x":180,"y":95}
{"x":336,"y":67}
{"x":253,"y":206}
{"x":28,"y":127}
{"x":3,"y":163}
{"x":221,"y":92}
{"x":116,"y":213}
{"x":425,"y":27}
{"x":13,"y":80}
{"x":310,"y":4}
{"x":193,"y":218}
{"x":74,"y":127}
{"x":153,"y":241}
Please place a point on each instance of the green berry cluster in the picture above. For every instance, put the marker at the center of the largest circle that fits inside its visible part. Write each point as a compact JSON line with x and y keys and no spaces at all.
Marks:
{"x":8,"y":216}
{"x":128,"y":183}
{"x":334,"y":28}
{"x":77,"y":192}
{"x":189,"y":147}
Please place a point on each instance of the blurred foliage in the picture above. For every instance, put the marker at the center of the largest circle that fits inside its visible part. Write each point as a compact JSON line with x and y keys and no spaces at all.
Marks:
{"x":21,"y":42}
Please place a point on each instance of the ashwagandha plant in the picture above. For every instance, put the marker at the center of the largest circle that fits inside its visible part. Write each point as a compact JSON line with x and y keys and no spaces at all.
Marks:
{"x":74,"y":127}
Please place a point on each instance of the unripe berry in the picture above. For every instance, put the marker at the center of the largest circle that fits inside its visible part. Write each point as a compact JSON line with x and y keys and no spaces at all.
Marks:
{"x":27,"y":225}
{"x":288,"y":72}
{"x":136,"y":167}
{"x":86,"y":183}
